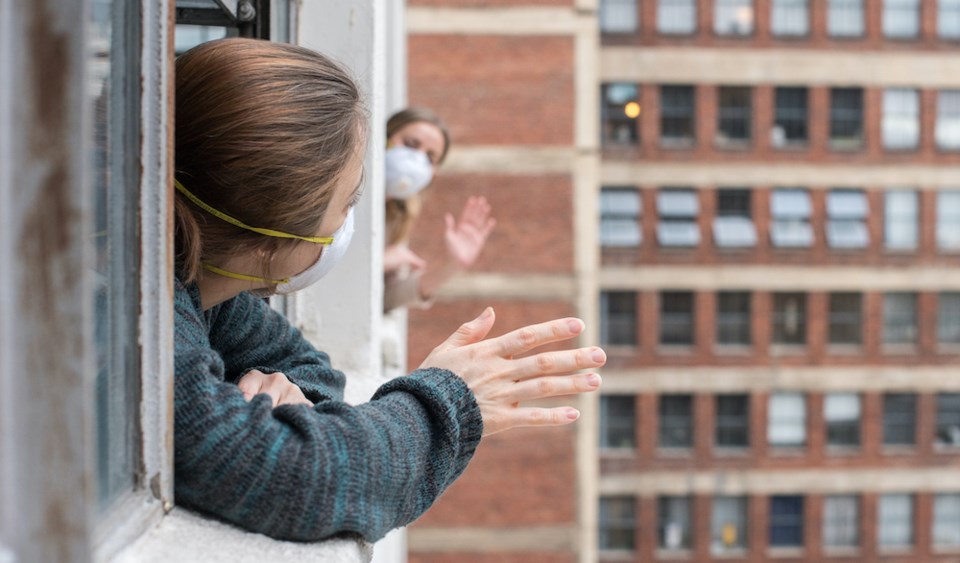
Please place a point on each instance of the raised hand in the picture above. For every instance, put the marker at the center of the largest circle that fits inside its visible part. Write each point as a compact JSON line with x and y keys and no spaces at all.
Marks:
{"x":465,"y":238}
{"x":501,"y":383}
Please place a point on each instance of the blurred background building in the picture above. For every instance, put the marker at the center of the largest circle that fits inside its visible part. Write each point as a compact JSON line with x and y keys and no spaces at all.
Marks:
{"x":755,"y":205}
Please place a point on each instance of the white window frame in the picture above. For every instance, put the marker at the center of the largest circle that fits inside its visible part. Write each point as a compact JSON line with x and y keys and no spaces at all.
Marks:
{"x":780,"y":416}
{"x":667,"y":21}
{"x":900,"y":123}
{"x":784,"y":20}
{"x":895,"y":511}
{"x":947,"y":129}
{"x":893,"y":15}
{"x":845,"y":18}
{"x":901,"y":212}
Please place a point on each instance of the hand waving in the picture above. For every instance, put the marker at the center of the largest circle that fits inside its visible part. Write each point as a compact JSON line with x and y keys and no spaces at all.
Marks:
{"x":466,"y":238}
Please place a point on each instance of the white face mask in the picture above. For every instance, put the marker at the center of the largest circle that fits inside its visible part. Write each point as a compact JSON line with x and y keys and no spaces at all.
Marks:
{"x":407,"y":171}
{"x":328,"y":259}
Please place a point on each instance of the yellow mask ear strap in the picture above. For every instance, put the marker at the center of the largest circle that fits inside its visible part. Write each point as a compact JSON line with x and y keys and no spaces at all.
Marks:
{"x":236,"y":222}
{"x":244,"y":277}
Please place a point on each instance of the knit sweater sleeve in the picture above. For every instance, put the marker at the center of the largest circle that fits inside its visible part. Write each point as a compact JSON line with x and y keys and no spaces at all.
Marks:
{"x":302,"y":473}
{"x":249,"y":334}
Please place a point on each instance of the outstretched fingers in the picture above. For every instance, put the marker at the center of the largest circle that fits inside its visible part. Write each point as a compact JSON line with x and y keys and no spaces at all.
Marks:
{"x":552,"y":386}
{"x":566,"y":361}
{"x":535,"y":416}
{"x":471,"y":332}
{"x":533,"y":336}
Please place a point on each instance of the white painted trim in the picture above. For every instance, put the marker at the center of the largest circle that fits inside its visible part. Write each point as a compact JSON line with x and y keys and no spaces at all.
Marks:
{"x":492,"y":21}
{"x":511,"y":159}
{"x":780,"y":66}
{"x":533,"y":287}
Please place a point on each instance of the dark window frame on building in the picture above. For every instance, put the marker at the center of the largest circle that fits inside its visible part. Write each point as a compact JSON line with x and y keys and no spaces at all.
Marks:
{"x":787,"y":521}
{"x":789,"y":321}
{"x":900,"y":319}
{"x":842,"y":420}
{"x":677,"y":318}
{"x":732,"y":426}
{"x":617,"y":523}
{"x":948,"y":421}
{"x":846,"y":119}
{"x":677,"y":17}
{"x":618,"y":422}
{"x":678,"y":116}
{"x":621,"y":209}
{"x":899,"y":419}
{"x":846,"y":19}
{"x":734,"y":117}
{"x":948,"y":318}
{"x":733,"y":226}
{"x":791,"y":127}
{"x":675,"y":523}
{"x":841,"y":522}
{"x":786,"y":17}
{"x":618,"y":327}
{"x":845,"y":319}
{"x":675,"y":422}
{"x":733,"y":319}
{"x":618,"y":129}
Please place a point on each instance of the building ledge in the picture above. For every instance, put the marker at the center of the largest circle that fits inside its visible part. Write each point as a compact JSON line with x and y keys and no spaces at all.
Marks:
{"x":186,"y":536}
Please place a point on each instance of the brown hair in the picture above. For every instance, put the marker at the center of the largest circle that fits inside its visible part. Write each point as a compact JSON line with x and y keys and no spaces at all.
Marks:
{"x":401,"y":214}
{"x":264,"y":131}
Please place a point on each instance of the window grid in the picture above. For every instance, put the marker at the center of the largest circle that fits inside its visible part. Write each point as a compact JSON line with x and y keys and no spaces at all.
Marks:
{"x":734,"y":116}
{"x":678,"y":209}
{"x":618,"y":422}
{"x":617,"y":523}
{"x":790,"y":318}
{"x":846,"y":118}
{"x":901,"y":216}
{"x":790,"y":18}
{"x":787,"y":420}
{"x":901,"y":119}
{"x":618,"y":16}
{"x":947,"y":131}
{"x":677,"y":115}
{"x":733,"y":421}
{"x":620,"y":210}
{"x":948,"y":419}
{"x":948,"y":318}
{"x":946,"y":520}
{"x":847,"y":219}
{"x":733,"y":225}
{"x":676,"y":421}
{"x":675,"y":522}
{"x":790,"y":213}
{"x":895,"y":521}
{"x":790,"y":119}
{"x":733,"y":318}
{"x":676,"y":318}
{"x":900,"y":318}
{"x":841,"y":521}
{"x":948,"y":19}
{"x":899,"y":419}
{"x":901,"y":19}
{"x":786,"y":521}
{"x":845,"y":318}
{"x":618,"y":127}
{"x":676,"y":17}
{"x":618,"y":323}
{"x":842,"y":417}
{"x":948,"y":221}
{"x":728,"y":524}
{"x":733,"y":17}
{"x":845,"y":18}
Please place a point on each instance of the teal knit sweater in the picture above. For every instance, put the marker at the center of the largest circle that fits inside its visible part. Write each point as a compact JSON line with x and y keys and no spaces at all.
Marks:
{"x":297,"y":472}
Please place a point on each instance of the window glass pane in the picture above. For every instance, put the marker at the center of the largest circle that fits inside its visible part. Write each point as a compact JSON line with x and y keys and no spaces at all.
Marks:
{"x":188,"y":36}
{"x":899,"y":419}
{"x":619,"y":111}
{"x":728,"y":524}
{"x":620,"y":210}
{"x":677,"y":115}
{"x":789,"y":318}
{"x":948,"y":19}
{"x":617,"y":523}
{"x":677,"y":203}
{"x":617,"y":421}
{"x":948,"y":220}
{"x":733,"y":17}
{"x":842,"y":415}
{"x":734,"y":202}
{"x":846,"y":118}
{"x":787,"y":422}
{"x":733,"y":318}
{"x":841,"y":521}
{"x":901,"y":18}
{"x":900,"y":220}
{"x":845,"y":18}
{"x":676,"y":16}
{"x":948,"y":120}
{"x":618,"y":318}
{"x":895,"y":521}
{"x":676,"y":318}
{"x":790,"y":117}
{"x":675,"y":523}
{"x":845,"y":318}
{"x":790,"y":203}
{"x":676,"y":421}
{"x":618,"y":16}
{"x":114,"y":81}
{"x":948,"y":419}
{"x":846,"y":224}
{"x":900,"y":318}
{"x":734,"y":116}
{"x":901,"y":119}
{"x":847,"y":204}
{"x":678,"y":210}
{"x":733,"y":421}
{"x":946,"y":520}
{"x":786,"y":521}
{"x":790,"y":18}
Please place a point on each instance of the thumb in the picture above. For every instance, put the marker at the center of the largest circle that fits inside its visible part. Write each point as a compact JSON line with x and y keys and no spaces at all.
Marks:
{"x":473,"y":331}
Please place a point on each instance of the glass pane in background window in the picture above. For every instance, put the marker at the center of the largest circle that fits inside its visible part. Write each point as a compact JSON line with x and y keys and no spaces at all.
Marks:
{"x":948,"y":220}
{"x":733,"y":17}
{"x":900,"y":318}
{"x":895,"y":521}
{"x":790,"y":318}
{"x":677,"y":115}
{"x":674,"y":516}
{"x":948,"y":419}
{"x":899,"y":419}
{"x":841,"y":412}
{"x":618,"y":16}
{"x":676,"y":421}
{"x":948,"y":19}
{"x":946,"y":520}
{"x":676,"y":318}
{"x":846,"y":219}
{"x":728,"y":524}
{"x":678,"y":209}
{"x":786,"y":521}
{"x":901,"y":18}
{"x":846,"y":118}
{"x":790,"y":18}
{"x":948,"y":120}
{"x":620,"y":110}
{"x":733,"y":421}
{"x":620,"y":210}
{"x":676,"y":16}
{"x":900,"y":225}
{"x":787,"y":420}
{"x":618,"y":318}
{"x":901,"y":119}
{"x":948,"y":318}
{"x":841,"y":521}
{"x":845,"y":18}
{"x":790,"y":117}
{"x":733,"y":318}
{"x":114,"y":89}
{"x":845,"y":318}
{"x":617,"y":421}
{"x":734,"y":116}
{"x":733,"y":226}
{"x":617,"y":523}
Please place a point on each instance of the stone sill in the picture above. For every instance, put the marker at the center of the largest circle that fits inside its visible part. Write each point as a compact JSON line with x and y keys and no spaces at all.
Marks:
{"x":185,"y":536}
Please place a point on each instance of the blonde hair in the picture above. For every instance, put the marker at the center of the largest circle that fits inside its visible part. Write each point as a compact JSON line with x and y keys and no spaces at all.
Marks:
{"x":264,"y":131}
{"x":401,"y":214}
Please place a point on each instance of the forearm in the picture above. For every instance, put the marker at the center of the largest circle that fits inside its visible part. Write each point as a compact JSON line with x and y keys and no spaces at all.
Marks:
{"x":437,"y":273}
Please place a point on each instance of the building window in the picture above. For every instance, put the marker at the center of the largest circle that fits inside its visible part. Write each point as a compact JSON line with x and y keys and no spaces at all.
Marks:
{"x":676,"y":17}
{"x":728,"y":524}
{"x":899,"y":419}
{"x":618,"y":16}
{"x":901,"y":119}
{"x":841,"y":521}
{"x":790,"y":117}
{"x":900,"y":318}
{"x":946,"y":520}
{"x":895,"y":521}
{"x":841,"y":412}
{"x":677,"y":123}
{"x":733,"y":17}
{"x":617,"y":523}
{"x":790,"y":18}
{"x":674,"y":517}
{"x":734,"y":117}
{"x":948,"y":221}
{"x":678,"y":209}
{"x":846,"y":319}
{"x":846,"y":118}
{"x":676,"y":421}
{"x":847,"y":219}
{"x":790,"y":319}
{"x":790,"y":213}
{"x":676,"y":318}
{"x":733,"y":421}
{"x":901,"y":216}
{"x":617,"y":422}
{"x":901,"y":19}
{"x":621,"y":108}
{"x":948,"y":19}
{"x":845,"y":18}
{"x":787,"y":420}
{"x":948,"y":318}
{"x":786,"y":521}
{"x":948,"y":419}
{"x":618,"y":318}
{"x":733,"y":318}
{"x":948,"y":120}
{"x":733,"y":226}
{"x":620,"y":210}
